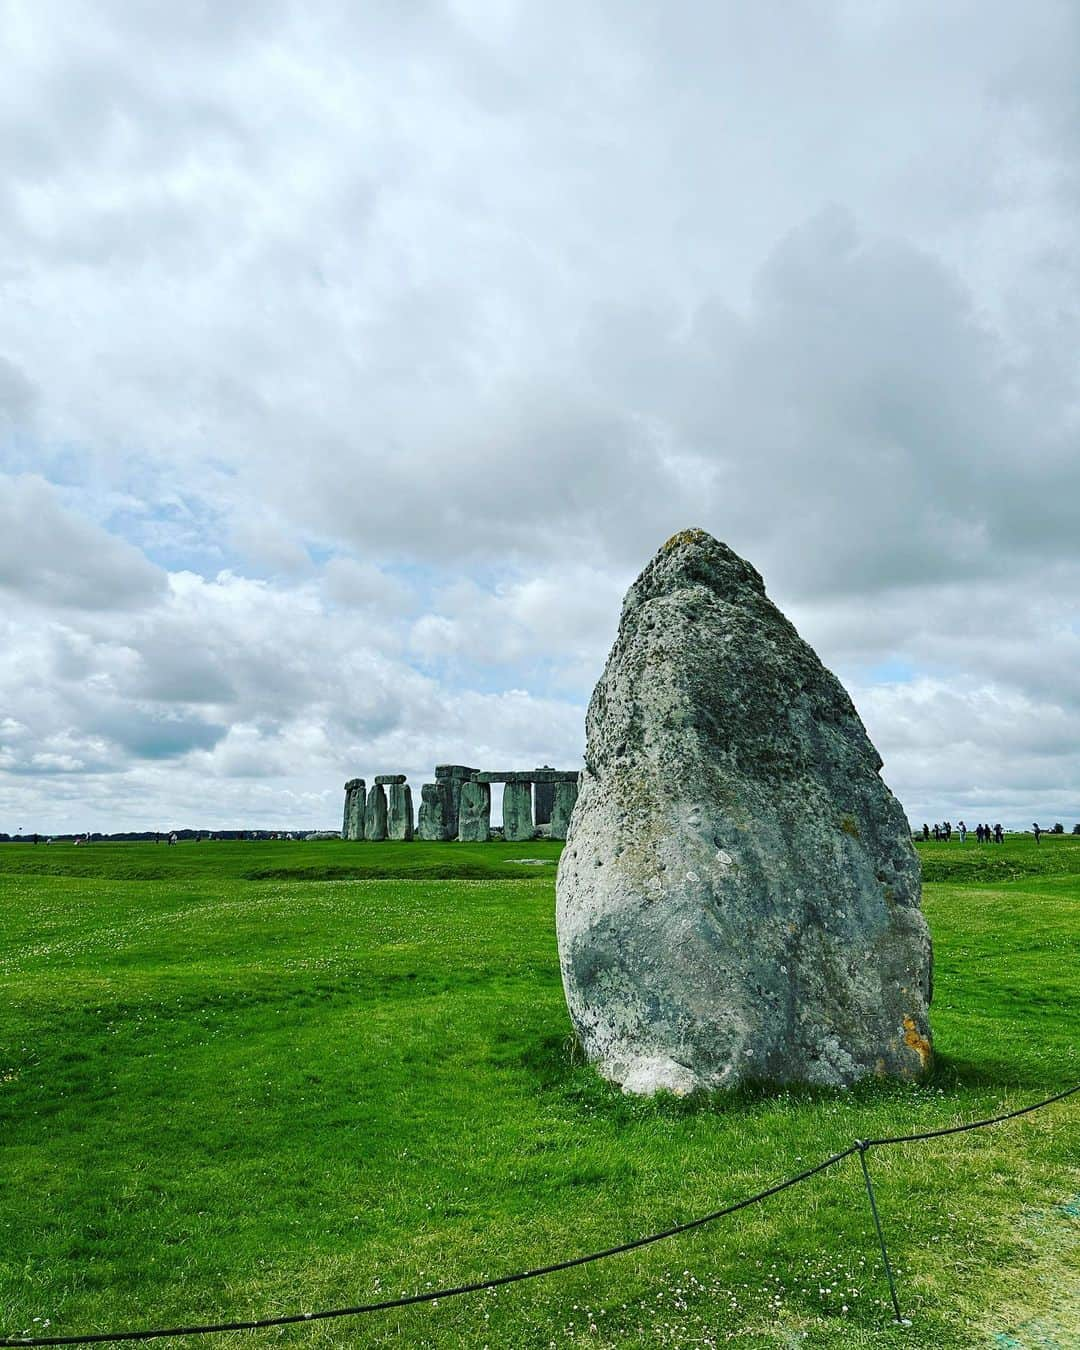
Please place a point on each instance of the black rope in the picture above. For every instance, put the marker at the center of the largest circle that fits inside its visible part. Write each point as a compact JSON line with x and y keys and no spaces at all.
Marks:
{"x":862,"y":1146}
{"x":431,"y":1296}
{"x":973,"y":1124}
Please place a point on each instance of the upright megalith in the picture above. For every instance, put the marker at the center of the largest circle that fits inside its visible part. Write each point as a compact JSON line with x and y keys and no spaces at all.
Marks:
{"x":517,"y":810}
{"x":543,"y":798}
{"x":739,"y":896}
{"x":433,"y":818}
{"x":453,"y":775}
{"x":376,"y":812}
{"x":474,"y":820}
{"x":352,"y":826}
{"x":562,"y":807}
{"x":399,"y":810}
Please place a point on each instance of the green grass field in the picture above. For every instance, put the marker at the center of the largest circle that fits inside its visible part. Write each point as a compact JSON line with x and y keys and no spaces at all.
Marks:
{"x":239,"y":1079}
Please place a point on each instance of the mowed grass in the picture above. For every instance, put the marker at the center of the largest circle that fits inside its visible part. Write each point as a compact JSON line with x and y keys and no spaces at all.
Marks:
{"x":243,"y":1079}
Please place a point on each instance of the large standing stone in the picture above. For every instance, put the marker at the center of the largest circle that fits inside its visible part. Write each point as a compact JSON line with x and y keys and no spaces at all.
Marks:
{"x":453,"y":775}
{"x":517,"y":811}
{"x":739,"y":896}
{"x":399,"y":812}
{"x":543,"y":798}
{"x":474,"y":821}
{"x":433,"y":818}
{"x":376,"y":812}
{"x":352,"y":826}
{"x":562,"y":806}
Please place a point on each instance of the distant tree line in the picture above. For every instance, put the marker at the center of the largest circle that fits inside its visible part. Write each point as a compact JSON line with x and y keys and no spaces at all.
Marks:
{"x":149,"y":836}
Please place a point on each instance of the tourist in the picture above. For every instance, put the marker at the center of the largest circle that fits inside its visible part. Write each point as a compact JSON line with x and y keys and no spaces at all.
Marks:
{"x":999,"y":834}
{"x":1037,"y":829}
{"x":979,"y":832}
{"x":963,"y":832}
{"x":925,"y":831}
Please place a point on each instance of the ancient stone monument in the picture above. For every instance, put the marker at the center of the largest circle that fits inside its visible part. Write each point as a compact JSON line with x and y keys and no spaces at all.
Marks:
{"x":739,"y":895}
{"x":352,"y":826}
{"x":399,"y":806}
{"x":543,"y":798}
{"x":376,"y":812}
{"x":433,"y":818}
{"x":474,"y":824}
{"x":448,"y":811}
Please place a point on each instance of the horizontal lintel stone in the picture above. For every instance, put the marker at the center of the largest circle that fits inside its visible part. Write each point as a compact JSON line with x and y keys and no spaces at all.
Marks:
{"x":454,"y":771}
{"x":389,"y":779}
{"x":530,"y":776}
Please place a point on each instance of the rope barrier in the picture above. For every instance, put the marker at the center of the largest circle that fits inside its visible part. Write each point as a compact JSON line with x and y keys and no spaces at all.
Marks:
{"x":860,"y":1146}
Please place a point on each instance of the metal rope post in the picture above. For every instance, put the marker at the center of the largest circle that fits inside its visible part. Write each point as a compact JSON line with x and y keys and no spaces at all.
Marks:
{"x":862,"y":1146}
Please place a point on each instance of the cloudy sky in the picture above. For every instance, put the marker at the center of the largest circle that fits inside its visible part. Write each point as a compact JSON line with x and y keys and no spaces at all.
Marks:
{"x":354,"y":358}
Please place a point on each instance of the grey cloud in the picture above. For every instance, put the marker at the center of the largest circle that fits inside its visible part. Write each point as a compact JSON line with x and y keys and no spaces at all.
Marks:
{"x":149,"y":733}
{"x":50,"y":555}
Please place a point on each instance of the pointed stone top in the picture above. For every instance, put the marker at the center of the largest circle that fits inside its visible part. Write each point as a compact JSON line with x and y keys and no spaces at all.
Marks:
{"x":694,"y":558}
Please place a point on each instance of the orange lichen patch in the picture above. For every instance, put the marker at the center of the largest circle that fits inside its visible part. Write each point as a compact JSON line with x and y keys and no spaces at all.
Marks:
{"x":684,"y":537}
{"x":850,"y":826}
{"x":916,"y":1041}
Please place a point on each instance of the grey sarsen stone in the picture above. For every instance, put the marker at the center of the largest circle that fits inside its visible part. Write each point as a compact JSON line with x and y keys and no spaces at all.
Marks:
{"x":739,"y":896}
{"x":517,"y":810}
{"x":474,"y":820}
{"x":376,"y":813}
{"x":433,"y":818}
{"x":399,"y":811}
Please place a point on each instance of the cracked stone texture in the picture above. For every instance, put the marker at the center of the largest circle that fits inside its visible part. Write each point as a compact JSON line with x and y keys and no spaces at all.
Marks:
{"x":738,"y":898}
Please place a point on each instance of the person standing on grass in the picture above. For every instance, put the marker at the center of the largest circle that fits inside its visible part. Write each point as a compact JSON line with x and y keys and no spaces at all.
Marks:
{"x":999,"y":834}
{"x":1037,"y":831}
{"x":979,"y":832}
{"x":963,"y":832}
{"x":925,"y":831}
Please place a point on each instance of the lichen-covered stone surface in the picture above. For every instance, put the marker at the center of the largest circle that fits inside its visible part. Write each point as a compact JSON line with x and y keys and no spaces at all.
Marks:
{"x":739,"y":895}
{"x":433,"y":818}
{"x":474,"y":813}
{"x":399,"y":811}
